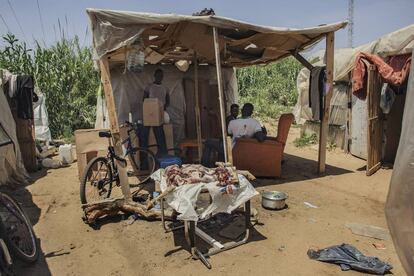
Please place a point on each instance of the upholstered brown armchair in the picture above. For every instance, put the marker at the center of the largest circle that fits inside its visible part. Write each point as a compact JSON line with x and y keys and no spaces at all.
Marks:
{"x":263,"y":159}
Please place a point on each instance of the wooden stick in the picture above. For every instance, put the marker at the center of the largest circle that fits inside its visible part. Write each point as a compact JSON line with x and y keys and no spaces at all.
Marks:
{"x":324,"y":126}
{"x":197,"y":107}
{"x":151,"y":203}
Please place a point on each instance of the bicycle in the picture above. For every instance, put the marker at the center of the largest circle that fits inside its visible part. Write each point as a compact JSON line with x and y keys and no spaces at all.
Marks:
{"x":17,"y":237}
{"x":101,"y":172}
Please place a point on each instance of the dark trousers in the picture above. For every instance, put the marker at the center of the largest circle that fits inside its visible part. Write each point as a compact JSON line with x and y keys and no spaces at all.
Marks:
{"x":143,"y":136}
{"x":212,"y":145}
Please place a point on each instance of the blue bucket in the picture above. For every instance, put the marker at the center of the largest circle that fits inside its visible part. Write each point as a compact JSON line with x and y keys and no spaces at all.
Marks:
{"x":168,"y":160}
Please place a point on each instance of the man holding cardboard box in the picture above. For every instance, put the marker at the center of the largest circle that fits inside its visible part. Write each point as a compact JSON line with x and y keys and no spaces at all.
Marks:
{"x":156,"y":100}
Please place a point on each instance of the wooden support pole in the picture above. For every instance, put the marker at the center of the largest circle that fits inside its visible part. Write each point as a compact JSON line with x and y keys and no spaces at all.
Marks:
{"x":197,"y":108}
{"x":324,"y":127}
{"x":220,"y":89}
{"x":114,"y":126}
{"x":303,"y":60}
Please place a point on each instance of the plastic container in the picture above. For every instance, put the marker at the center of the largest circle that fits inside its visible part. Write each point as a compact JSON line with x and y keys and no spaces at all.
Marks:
{"x":66,"y":154}
{"x":169,"y":160}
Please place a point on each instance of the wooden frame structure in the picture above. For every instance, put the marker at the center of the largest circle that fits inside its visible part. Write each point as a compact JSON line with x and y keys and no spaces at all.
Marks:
{"x":114,"y":124}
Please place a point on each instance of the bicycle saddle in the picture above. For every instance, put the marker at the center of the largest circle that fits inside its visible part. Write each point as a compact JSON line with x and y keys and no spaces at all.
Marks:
{"x":106,"y":134}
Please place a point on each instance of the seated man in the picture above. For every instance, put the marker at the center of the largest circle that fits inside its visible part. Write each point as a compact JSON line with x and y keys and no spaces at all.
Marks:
{"x":216,"y":145}
{"x":246,"y":127}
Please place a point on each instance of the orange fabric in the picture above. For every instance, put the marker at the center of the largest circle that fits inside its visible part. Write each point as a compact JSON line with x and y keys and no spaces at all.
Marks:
{"x":263,"y":159}
{"x":395,"y":77}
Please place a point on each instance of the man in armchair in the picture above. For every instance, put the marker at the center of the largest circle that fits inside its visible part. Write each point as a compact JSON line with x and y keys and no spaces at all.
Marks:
{"x":246,"y":126}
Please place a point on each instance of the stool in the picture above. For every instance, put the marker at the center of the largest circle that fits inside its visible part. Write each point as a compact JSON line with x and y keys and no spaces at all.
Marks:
{"x":186,"y":144}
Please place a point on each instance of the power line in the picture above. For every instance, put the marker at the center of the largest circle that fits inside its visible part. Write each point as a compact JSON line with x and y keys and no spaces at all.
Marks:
{"x":5,"y":24}
{"x":41,"y":22}
{"x":17,"y":20}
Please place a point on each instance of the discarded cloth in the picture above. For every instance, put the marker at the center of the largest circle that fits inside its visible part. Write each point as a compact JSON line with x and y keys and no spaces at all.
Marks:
{"x":348,"y":257}
{"x":316,"y":91}
{"x":387,"y":72}
{"x":183,"y":199}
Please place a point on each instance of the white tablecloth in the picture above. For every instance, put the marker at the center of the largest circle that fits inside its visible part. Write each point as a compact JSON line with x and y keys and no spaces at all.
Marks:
{"x":183,"y":199}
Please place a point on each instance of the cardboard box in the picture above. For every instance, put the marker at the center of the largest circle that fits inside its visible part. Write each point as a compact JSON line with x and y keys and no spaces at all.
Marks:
{"x":88,"y":146}
{"x":153,"y":112}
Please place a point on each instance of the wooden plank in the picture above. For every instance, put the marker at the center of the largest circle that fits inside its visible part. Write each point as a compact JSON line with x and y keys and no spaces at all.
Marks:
{"x":197,"y":108}
{"x":114,"y":126}
{"x":303,"y":60}
{"x":330,"y":40}
{"x":374,"y":130}
{"x":220,"y":89}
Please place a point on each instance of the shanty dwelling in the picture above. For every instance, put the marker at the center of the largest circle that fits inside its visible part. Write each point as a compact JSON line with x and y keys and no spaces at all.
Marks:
{"x":12,"y":164}
{"x":367,"y":127}
{"x":198,"y":55}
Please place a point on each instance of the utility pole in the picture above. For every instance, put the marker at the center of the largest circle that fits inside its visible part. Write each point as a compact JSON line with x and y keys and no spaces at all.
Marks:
{"x":350,"y":23}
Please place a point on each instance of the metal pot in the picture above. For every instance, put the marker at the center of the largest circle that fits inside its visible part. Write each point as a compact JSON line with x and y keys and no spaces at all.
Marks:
{"x":274,"y":200}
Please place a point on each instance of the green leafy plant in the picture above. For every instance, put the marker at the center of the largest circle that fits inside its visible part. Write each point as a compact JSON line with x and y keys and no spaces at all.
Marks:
{"x":306,"y":140}
{"x":65,"y":73}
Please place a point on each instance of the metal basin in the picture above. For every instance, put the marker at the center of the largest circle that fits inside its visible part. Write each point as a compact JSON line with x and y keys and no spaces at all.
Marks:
{"x":274,"y":200}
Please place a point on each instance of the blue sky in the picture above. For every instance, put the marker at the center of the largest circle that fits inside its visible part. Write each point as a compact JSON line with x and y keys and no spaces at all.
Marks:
{"x":372,"y":18}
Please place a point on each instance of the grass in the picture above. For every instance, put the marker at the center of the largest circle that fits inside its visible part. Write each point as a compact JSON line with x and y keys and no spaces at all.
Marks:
{"x":306,"y":140}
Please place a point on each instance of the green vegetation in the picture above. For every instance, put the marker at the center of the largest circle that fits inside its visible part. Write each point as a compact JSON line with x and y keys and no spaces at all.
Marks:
{"x":64,"y":73}
{"x":271,"y":89}
{"x":306,"y":140}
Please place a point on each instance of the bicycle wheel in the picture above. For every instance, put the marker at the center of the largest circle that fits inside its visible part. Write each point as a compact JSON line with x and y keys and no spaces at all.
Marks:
{"x":16,"y":230}
{"x":144,"y":164}
{"x":96,"y":182}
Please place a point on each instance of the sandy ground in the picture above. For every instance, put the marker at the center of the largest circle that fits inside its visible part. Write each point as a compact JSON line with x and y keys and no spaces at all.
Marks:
{"x":277,"y":246}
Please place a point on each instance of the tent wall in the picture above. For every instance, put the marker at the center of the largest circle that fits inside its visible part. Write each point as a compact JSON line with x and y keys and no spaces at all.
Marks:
{"x":12,"y":169}
{"x":399,"y":208}
{"x":128,"y":89}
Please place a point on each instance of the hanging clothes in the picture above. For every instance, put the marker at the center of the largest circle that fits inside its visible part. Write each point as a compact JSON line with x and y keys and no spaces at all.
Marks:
{"x":387,"y":72}
{"x":316,"y":91}
{"x":25,"y":97}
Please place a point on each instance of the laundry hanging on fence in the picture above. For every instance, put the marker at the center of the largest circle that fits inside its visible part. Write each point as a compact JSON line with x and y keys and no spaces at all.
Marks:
{"x":316,"y":91}
{"x":387,"y":72}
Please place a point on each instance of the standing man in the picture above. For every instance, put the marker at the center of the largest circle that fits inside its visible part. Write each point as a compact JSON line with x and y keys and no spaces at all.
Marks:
{"x":159,"y":91}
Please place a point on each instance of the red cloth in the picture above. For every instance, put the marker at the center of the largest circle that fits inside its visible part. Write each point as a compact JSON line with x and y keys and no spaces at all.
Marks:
{"x":395,"y":74}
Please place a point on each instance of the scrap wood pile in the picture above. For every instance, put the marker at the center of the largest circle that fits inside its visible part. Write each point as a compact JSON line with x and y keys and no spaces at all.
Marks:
{"x":225,"y":175}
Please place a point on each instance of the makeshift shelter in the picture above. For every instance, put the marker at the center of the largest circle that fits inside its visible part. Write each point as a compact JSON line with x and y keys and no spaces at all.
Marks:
{"x":172,"y":39}
{"x":12,"y":170}
{"x":196,"y":40}
{"x":349,"y":126}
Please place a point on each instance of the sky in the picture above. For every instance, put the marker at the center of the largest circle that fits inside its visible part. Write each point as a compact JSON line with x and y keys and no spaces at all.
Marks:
{"x":32,"y":20}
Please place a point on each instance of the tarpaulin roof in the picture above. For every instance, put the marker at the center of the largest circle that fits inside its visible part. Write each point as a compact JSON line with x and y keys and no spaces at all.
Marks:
{"x":170,"y":37}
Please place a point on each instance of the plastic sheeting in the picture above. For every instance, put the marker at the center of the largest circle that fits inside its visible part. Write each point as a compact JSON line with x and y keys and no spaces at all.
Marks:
{"x":246,"y":43}
{"x":399,"y":208}
{"x":398,"y":42}
{"x":41,"y":119}
{"x":183,"y":199}
{"x":128,"y":89}
{"x":12,"y":169}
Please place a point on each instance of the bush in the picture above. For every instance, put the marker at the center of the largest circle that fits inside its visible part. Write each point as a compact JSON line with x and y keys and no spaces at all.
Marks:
{"x":64,"y":72}
{"x":271,"y":89}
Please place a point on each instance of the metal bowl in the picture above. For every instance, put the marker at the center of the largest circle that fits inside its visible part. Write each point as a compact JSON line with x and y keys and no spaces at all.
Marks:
{"x":274,"y":200}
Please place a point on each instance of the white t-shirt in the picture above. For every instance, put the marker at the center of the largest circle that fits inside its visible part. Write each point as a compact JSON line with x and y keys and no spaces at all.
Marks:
{"x":158,"y":91}
{"x":243,"y":127}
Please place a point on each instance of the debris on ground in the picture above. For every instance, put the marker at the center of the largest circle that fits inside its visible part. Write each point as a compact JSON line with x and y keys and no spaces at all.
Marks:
{"x":348,"y":257}
{"x":379,"y":246}
{"x":131,"y":219}
{"x":310,"y":205}
{"x":368,"y":231}
{"x":282,"y":248}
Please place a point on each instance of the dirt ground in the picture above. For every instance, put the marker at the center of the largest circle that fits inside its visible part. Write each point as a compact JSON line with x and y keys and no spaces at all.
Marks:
{"x":277,"y":246}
